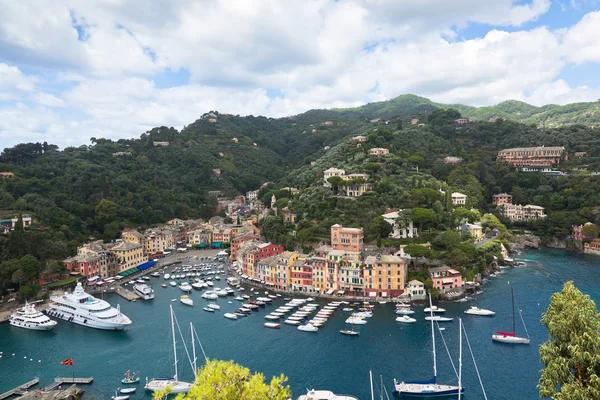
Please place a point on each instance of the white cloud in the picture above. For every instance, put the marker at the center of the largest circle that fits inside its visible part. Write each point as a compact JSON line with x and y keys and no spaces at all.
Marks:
{"x":318,"y":54}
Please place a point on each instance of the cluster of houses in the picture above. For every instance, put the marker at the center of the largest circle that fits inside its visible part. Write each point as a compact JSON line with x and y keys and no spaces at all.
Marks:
{"x":357,"y":183}
{"x":517,"y":212}
{"x":7,"y":225}
{"x":339,"y":268}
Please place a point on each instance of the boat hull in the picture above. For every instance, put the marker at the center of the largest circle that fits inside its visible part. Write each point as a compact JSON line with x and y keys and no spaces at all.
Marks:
{"x":34,"y":327}
{"x":425,"y":390}
{"x":161,"y":384}
{"x":510,"y":339}
{"x":68,"y":316}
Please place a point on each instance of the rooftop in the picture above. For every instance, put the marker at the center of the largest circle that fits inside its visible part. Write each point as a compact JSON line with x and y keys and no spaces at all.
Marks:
{"x":538,"y":148}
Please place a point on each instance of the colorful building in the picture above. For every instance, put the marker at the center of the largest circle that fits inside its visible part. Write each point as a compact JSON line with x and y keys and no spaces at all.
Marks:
{"x":517,"y":212}
{"x":384,"y":276}
{"x":129,"y":255}
{"x":459,"y":198}
{"x":592,"y":247}
{"x":446,"y":279}
{"x":533,"y":156}
{"x":400,"y":231}
{"x":378,"y":151}
{"x":347,"y":239}
{"x":502,"y":198}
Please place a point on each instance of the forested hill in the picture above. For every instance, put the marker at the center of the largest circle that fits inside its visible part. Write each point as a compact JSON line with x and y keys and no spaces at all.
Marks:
{"x":550,"y":115}
{"x":98,"y":189}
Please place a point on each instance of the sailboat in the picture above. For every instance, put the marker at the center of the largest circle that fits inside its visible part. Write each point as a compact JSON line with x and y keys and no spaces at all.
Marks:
{"x":511,"y":337}
{"x":174,"y":383}
{"x":429,"y":387}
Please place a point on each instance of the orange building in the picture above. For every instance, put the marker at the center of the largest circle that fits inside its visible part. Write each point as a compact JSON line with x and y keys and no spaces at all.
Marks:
{"x":347,"y":239}
{"x":502,"y":198}
{"x":445,"y":278}
{"x":533,"y":156}
{"x":384,"y":276}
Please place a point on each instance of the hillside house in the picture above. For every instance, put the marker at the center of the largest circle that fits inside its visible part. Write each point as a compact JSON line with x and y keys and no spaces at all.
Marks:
{"x":378,"y":151}
{"x":445,"y":279}
{"x":501,"y":198}
{"x":400,"y":232}
{"x":459,"y":198}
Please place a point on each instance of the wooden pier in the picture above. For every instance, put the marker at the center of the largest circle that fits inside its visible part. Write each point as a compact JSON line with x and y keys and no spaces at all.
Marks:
{"x":19,"y":390}
{"x":126,"y":294}
{"x":70,"y":393}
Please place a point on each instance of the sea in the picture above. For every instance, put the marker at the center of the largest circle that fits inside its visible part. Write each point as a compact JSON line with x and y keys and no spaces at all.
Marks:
{"x":322,"y":360}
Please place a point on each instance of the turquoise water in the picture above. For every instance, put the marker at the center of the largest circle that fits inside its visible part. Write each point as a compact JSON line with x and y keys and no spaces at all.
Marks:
{"x":325,"y":359}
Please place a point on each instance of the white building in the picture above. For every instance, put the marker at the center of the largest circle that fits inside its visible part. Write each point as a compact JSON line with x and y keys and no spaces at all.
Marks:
{"x":459,"y":198}
{"x":328,"y":173}
{"x":251,"y":195}
{"x":408,"y":231}
{"x":416,"y":290}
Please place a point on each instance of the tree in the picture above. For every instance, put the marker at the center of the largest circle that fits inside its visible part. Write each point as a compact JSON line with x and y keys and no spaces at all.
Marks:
{"x":106,"y":212}
{"x":447,"y":240}
{"x":590,"y":232}
{"x":423,"y":217}
{"x":416,"y":250}
{"x":571,"y":355}
{"x":381,"y":227}
{"x":335,"y":182}
{"x":457,"y":258}
{"x":226,"y":380}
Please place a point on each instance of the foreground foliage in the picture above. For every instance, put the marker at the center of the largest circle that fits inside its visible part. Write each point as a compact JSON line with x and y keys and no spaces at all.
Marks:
{"x":571,"y":356}
{"x":226,"y":380}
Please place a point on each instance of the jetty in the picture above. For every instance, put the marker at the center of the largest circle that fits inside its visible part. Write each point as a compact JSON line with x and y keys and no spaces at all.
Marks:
{"x":126,"y":294}
{"x":60,"y":381}
{"x":19,"y":390}
{"x":70,"y":393}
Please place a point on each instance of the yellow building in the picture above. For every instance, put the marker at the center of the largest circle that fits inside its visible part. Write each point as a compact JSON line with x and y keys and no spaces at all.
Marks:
{"x":129,"y":255}
{"x":131,"y":236}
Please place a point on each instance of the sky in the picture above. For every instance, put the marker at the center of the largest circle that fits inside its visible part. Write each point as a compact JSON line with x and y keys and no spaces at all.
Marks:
{"x":75,"y":69}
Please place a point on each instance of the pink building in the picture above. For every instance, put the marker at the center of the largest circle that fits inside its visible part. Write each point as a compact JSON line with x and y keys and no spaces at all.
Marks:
{"x":502,"y":198}
{"x":347,"y":239}
{"x":445,"y":279}
{"x":378,"y":151}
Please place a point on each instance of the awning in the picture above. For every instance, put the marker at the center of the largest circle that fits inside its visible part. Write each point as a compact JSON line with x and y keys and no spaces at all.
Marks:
{"x":341,"y":292}
{"x":202,"y":245}
{"x":244,"y":276}
{"x":330,"y":291}
{"x":146,"y":265}
{"x":372,"y":294}
{"x":383,"y":294}
{"x":118,"y":277}
{"x":93,"y":279}
{"x":217,"y":244}
{"x":447,"y":280}
{"x":129,"y":271}
{"x":222,"y":253}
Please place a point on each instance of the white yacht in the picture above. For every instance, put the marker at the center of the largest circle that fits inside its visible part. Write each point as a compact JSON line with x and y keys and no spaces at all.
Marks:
{"x":144,"y":291}
{"x":434,"y":309}
{"x":185,"y":287}
{"x":81,"y":308}
{"x":324,"y":395}
{"x":29,"y":318}
{"x":479,"y":311}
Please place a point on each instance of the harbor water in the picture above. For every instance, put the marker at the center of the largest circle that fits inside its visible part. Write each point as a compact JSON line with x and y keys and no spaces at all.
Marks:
{"x":323,"y":360}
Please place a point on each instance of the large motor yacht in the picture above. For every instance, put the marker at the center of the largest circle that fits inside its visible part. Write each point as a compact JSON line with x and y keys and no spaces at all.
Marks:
{"x":144,"y":291}
{"x":29,"y":318}
{"x":83,"y":309}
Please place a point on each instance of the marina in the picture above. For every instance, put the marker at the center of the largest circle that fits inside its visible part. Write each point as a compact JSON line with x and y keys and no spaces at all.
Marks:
{"x":282,"y":348}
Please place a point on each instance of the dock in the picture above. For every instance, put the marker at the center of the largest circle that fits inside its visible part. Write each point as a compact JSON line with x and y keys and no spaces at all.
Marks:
{"x":126,"y":294}
{"x":70,"y":393}
{"x":19,"y":390}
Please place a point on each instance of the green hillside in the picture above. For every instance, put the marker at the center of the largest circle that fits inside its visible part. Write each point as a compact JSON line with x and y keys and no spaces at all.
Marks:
{"x":409,"y":105}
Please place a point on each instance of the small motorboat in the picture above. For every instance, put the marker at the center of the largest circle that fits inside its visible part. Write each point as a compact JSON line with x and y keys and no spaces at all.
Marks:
{"x":230,"y":316}
{"x":406,"y":319}
{"x":130,"y":378}
{"x":246,"y":296}
{"x":479,"y":311}
{"x":127,"y":390}
{"x":238,"y":298}
{"x":240,"y":314}
{"x":437,"y":318}
{"x":163,"y":285}
{"x":214,"y":306}
{"x":349,"y":332}
{"x":186,"y":300}
{"x":271,"y":296}
{"x":310,"y":299}
{"x":434,"y":309}
{"x":173,"y":283}
{"x":272,"y":317}
{"x":404,"y":311}
{"x":208,"y":309}
{"x":308,"y":328}
{"x":347,"y":309}
{"x":356,"y":321}
{"x":287,"y":298}
{"x":173,"y":300}
{"x":117,"y":397}
{"x":291,"y":322}
{"x":272,"y":325}
{"x":382,"y":302}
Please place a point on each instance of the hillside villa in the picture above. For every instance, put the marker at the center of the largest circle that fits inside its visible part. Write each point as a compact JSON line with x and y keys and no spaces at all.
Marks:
{"x":445,"y":279}
{"x":398,"y":231}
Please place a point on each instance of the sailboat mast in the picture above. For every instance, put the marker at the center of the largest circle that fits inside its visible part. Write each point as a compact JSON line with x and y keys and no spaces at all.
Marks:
{"x":432,"y":338}
{"x":371,"y":379}
{"x":193,"y":348}
{"x":513,"y":307}
{"x":174,"y":345}
{"x":459,"y":357}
